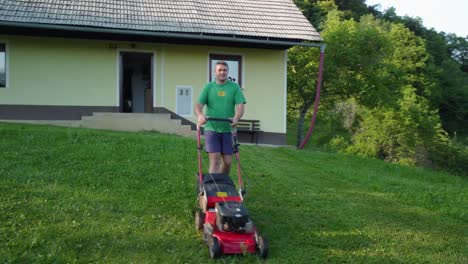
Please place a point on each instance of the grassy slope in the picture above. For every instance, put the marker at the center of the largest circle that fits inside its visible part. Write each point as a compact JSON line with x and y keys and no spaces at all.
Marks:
{"x":322,"y":134}
{"x":75,"y":195}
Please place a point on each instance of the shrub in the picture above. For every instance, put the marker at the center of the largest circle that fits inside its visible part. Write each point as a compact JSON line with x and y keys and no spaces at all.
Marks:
{"x":450,"y":156}
{"x":338,"y":144}
{"x":410,"y":134}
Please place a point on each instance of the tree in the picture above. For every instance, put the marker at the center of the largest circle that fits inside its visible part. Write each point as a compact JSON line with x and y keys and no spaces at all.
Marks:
{"x":302,"y":67}
{"x":405,"y":134}
{"x":458,"y":49}
{"x":355,"y":67}
{"x":446,"y":68}
{"x":353,"y":8}
{"x":400,"y":79}
{"x":357,"y":61}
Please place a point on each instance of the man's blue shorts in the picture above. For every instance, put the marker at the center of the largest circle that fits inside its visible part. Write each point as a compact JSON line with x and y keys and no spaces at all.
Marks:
{"x":218,"y":142}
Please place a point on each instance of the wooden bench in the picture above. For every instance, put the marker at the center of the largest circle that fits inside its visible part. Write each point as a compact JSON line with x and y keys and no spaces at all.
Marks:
{"x":251,"y":127}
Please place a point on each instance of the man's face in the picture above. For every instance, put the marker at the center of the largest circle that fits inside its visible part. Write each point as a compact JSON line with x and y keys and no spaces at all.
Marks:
{"x":221,"y":72}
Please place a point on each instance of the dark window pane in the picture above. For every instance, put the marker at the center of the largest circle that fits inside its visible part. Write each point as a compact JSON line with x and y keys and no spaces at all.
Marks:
{"x":2,"y":66}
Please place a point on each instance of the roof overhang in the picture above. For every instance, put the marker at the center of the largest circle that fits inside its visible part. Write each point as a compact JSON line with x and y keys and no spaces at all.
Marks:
{"x":53,"y":30}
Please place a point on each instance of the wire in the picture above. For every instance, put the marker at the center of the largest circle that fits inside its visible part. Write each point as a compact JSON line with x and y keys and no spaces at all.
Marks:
{"x":217,"y":187}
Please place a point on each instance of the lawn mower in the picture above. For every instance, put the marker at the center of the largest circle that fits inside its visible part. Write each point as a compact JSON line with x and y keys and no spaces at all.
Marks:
{"x":221,"y":214}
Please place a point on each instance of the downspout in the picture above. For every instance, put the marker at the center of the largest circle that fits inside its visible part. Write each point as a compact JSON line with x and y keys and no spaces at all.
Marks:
{"x":317,"y":97}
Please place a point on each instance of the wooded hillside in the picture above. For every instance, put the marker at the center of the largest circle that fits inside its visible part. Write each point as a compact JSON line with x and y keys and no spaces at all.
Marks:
{"x":392,"y":88}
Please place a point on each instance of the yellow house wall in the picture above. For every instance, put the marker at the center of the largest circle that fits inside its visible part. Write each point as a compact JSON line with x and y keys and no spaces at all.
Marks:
{"x":76,"y":72}
{"x":45,"y":71}
{"x":263,"y":80}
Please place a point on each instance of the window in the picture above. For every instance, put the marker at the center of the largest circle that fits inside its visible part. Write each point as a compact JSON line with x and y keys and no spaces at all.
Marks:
{"x":3,"y":69}
{"x":235,"y":67}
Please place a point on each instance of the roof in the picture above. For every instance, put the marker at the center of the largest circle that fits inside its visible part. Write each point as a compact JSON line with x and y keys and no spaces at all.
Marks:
{"x":278,"y":19}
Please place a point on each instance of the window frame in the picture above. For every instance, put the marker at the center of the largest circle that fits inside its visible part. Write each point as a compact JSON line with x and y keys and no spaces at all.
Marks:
{"x":227,"y":57}
{"x":5,"y":43}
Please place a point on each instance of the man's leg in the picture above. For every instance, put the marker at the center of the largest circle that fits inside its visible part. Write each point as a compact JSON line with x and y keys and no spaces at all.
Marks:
{"x":227,"y":161}
{"x":213,"y":147}
{"x":215,"y":162}
{"x":226,"y":153}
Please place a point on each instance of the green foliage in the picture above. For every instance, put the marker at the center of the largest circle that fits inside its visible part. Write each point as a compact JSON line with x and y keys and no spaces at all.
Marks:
{"x":356,"y":64}
{"x":400,"y":135}
{"x":450,"y":156}
{"x":409,"y":135}
{"x":353,"y":8}
{"x":458,"y":49}
{"x":328,"y":121}
{"x":72,"y":195}
{"x":300,"y":94}
{"x":338,"y":144}
{"x":406,"y":81}
{"x":447,"y":67}
{"x":453,"y":102}
{"x":311,"y":11}
{"x":302,"y":64}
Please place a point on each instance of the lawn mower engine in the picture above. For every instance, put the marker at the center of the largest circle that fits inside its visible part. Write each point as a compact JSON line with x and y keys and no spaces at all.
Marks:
{"x":233,"y":217}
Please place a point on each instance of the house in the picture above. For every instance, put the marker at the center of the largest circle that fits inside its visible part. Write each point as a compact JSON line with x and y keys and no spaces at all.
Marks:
{"x":62,"y":60}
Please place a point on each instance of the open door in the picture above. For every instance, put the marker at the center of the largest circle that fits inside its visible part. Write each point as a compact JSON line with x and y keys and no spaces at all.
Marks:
{"x":136,"y":82}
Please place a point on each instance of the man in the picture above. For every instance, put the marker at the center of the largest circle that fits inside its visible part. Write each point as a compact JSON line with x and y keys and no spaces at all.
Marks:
{"x":223,"y":99}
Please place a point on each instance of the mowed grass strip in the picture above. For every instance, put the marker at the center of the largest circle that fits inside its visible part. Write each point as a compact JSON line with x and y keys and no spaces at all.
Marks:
{"x":79,"y":196}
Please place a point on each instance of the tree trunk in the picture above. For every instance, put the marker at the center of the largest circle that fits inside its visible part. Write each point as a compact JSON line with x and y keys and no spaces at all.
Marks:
{"x":300,"y":123}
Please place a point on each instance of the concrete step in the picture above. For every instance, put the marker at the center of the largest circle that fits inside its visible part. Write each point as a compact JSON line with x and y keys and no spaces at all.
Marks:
{"x":132,"y":115}
{"x":64,"y":123}
{"x":123,"y":122}
{"x":137,"y":122}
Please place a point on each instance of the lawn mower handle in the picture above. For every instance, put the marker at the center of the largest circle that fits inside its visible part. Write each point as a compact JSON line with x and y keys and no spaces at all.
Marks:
{"x":219,"y":119}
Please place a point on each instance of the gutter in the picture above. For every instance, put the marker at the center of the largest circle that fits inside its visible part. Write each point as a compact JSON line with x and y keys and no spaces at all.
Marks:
{"x":199,"y":36}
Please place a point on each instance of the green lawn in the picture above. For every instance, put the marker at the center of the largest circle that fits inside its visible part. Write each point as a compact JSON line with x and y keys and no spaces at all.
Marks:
{"x":89,"y":196}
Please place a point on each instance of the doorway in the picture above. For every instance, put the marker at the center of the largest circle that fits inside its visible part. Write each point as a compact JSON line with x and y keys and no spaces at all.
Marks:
{"x":136,"y":82}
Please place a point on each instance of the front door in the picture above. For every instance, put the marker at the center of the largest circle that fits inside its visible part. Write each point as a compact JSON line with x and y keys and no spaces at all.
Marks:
{"x":136,"y":82}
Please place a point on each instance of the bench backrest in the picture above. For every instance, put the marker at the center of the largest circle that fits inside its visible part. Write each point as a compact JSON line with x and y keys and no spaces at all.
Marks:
{"x":248,"y":125}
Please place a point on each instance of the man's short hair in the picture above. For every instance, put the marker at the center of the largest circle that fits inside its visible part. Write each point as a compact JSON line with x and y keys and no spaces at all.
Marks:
{"x":221,"y":62}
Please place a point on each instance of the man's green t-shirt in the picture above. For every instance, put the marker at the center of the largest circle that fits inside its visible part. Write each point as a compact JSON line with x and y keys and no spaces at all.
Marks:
{"x":220,"y":101}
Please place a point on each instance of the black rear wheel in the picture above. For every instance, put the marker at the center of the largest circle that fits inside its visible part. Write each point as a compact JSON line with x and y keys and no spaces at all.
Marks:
{"x":215,"y":248}
{"x":199,"y":220}
{"x":262,"y":246}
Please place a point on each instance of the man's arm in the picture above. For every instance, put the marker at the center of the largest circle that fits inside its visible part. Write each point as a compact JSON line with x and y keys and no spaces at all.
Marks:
{"x":199,"y":113}
{"x":239,"y":114}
